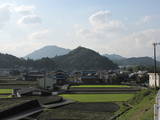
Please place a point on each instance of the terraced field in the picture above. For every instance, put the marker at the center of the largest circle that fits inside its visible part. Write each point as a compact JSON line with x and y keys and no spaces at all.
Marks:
{"x":102,"y":89}
{"x":6,"y":93}
{"x":112,"y":86}
{"x":98,"y":97}
{"x":81,"y":111}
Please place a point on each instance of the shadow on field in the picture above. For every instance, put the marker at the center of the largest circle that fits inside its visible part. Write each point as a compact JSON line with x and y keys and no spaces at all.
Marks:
{"x":81,"y":111}
{"x":92,"y":107}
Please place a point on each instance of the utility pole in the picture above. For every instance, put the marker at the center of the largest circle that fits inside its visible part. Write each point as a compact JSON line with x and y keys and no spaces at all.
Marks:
{"x":155,"y":63}
{"x":44,"y":80}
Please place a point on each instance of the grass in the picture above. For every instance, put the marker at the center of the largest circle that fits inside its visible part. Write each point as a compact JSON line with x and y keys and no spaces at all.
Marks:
{"x":101,"y":86}
{"x":98,"y":97}
{"x":6,"y":91}
{"x":142,"y":106}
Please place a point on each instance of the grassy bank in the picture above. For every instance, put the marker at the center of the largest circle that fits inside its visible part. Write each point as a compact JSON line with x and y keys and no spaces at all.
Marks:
{"x":100,"y":86}
{"x":98,"y":97}
{"x":142,"y":104}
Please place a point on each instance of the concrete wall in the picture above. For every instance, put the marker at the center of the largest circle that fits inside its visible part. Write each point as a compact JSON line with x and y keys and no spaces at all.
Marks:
{"x":152,"y":80}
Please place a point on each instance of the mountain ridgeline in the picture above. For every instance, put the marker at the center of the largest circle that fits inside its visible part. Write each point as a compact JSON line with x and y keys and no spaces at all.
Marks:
{"x":78,"y":59}
{"x":114,"y":57}
{"x":12,"y":62}
{"x":133,"y":61}
{"x":9,"y":61}
{"x":47,"y":51}
{"x":84,"y":59}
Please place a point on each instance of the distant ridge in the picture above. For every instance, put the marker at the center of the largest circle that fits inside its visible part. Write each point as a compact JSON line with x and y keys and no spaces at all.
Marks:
{"x":144,"y":61}
{"x":47,"y":51}
{"x":114,"y":57}
{"x":132,"y":61}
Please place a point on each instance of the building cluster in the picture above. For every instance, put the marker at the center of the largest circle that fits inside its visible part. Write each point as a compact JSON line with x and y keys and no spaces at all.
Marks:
{"x":55,"y":80}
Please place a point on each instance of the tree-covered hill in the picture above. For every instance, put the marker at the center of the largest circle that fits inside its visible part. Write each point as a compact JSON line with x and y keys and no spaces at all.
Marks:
{"x":10,"y":61}
{"x":78,"y":59}
{"x":84,"y":59}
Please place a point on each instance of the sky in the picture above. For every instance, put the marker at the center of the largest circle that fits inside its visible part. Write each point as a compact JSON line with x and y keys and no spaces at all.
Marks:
{"x":124,"y":27}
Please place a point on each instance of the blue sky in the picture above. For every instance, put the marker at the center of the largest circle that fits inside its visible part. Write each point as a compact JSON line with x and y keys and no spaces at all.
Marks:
{"x":125,"y":27}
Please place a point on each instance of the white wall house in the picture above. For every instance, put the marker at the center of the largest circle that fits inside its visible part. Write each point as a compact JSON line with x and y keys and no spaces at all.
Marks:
{"x":152,"y":79}
{"x":47,"y":82}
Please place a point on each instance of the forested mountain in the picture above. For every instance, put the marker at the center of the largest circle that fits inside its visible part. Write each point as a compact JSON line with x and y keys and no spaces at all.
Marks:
{"x":122,"y":61}
{"x":84,"y":59}
{"x":78,"y":59}
{"x":144,"y":61}
{"x":9,"y":61}
{"x":47,"y":51}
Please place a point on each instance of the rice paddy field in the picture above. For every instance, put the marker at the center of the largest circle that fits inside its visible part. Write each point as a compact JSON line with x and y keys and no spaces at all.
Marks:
{"x":113,"y":86}
{"x":92,"y":106}
{"x":6,"y":93}
{"x":98,"y":97}
{"x":80,"y":111}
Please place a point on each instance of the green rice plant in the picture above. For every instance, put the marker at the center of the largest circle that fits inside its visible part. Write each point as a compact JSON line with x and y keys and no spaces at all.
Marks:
{"x":101,"y":86}
{"x":98,"y":97}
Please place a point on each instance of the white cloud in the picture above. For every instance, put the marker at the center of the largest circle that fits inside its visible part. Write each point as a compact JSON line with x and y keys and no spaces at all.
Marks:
{"x":138,"y":43}
{"x":30,"y":19}
{"x":99,"y":17}
{"x":101,"y":20}
{"x":40,"y":35}
{"x":25,"y":10}
{"x":102,"y":27}
{"x":145,"y":20}
{"x":107,"y":34}
{"x":132,"y":44}
{"x":5,"y":14}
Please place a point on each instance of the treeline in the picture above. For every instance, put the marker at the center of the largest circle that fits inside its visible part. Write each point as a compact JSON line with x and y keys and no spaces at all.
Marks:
{"x":10,"y":61}
{"x":137,"y":68}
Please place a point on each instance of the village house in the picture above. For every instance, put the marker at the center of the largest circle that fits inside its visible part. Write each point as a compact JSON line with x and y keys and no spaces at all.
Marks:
{"x":89,"y":77}
{"x":104,"y":75}
{"x":47,"y":82}
{"x":32,"y":76}
{"x":52,"y":80}
{"x":74,"y":77}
